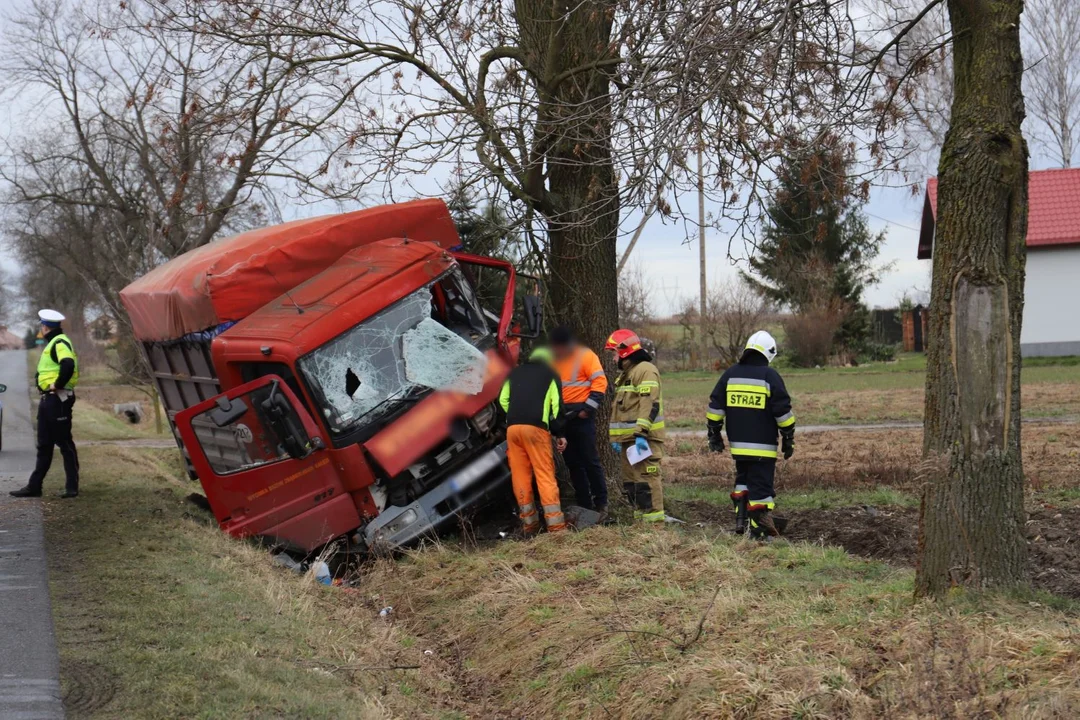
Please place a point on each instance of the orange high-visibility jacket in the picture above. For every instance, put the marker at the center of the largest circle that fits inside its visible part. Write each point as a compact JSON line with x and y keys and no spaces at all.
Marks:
{"x":583,"y":381}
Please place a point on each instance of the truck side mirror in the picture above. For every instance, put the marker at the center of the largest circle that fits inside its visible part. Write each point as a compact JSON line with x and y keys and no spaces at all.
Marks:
{"x":532,"y":308}
{"x":228,"y":411}
{"x":534,"y":314}
{"x":279,"y":411}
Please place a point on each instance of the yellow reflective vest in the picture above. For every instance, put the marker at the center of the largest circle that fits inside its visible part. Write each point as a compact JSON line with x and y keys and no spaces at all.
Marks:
{"x":48,"y":369}
{"x":638,"y":408}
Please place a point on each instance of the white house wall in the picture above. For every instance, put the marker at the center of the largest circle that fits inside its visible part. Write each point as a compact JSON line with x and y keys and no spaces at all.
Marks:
{"x":1051,"y":291}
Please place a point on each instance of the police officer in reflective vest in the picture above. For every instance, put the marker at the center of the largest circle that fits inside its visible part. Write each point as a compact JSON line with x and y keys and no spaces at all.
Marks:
{"x":57,"y":375}
{"x":751,"y":398}
{"x":637,"y":419}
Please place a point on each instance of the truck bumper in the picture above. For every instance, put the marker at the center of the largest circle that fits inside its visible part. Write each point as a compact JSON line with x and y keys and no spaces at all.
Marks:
{"x":397,"y":526}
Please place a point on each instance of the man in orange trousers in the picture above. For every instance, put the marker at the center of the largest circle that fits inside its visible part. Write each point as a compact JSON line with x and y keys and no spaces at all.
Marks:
{"x":531,"y":398}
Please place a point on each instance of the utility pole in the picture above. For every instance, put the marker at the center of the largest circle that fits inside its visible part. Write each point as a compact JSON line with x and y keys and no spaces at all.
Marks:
{"x":701,"y":244}
{"x":637,"y":234}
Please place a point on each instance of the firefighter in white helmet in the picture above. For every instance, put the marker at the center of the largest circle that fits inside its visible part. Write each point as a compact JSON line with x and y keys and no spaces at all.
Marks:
{"x":751,"y":400}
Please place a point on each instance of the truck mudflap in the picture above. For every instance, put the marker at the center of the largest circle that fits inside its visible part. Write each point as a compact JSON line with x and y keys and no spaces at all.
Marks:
{"x":396,"y":526}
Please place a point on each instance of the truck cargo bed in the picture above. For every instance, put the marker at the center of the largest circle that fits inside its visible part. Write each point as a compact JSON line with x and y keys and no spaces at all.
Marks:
{"x":184,"y":375}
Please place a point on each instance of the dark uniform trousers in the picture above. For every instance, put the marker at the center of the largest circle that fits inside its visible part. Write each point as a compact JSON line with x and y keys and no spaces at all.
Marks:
{"x":54,"y":430}
{"x":583,"y":460}
{"x":755,"y":475}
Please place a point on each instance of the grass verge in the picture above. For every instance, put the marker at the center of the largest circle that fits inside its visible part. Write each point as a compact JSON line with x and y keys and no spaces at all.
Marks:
{"x":91,"y":421}
{"x":160,"y":615}
{"x":99,"y":389}
{"x":642,"y":623}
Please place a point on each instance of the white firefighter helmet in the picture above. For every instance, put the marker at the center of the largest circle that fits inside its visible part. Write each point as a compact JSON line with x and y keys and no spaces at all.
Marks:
{"x":764,"y":343}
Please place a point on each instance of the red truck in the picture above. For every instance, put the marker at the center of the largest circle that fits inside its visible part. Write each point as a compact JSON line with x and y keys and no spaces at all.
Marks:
{"x":337,"y":377}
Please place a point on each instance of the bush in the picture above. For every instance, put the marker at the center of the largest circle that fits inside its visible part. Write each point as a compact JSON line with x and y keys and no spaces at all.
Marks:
{"x":735,"y":312}
{"x":810,"y":336}
{"x":871,"y":351}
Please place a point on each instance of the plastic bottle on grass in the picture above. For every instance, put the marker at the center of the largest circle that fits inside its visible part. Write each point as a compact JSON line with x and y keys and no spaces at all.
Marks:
{"x":322,"y":573}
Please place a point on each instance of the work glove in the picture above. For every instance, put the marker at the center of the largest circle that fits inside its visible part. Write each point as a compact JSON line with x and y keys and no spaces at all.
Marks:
{"x":716,"y":440}
{"x":617,"y":447}
{"x":787,"y":441}
{"x":642,"y":443}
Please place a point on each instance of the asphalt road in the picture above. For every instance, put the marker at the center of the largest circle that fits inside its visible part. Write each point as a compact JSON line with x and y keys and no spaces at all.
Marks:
{"x":29,"y":668}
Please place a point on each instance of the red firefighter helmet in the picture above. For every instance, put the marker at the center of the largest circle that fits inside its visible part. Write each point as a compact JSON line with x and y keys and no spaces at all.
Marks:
{"x":624,"y":342}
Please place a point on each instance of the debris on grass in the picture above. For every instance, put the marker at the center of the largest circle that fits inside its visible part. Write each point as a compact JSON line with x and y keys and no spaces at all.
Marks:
{"x":130,"y":411}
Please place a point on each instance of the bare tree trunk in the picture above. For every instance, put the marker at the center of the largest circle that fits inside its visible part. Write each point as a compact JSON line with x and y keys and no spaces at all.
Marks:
{"x":584,"y":292}
{"x":971,"y":530}
{"x":155,"y":397}
{"x":703,"y":289}
{"x":581,"y":199}
{"x":584,"y":280}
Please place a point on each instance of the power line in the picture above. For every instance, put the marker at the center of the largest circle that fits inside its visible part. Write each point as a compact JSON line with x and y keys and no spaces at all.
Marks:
{"x":892,"y":222}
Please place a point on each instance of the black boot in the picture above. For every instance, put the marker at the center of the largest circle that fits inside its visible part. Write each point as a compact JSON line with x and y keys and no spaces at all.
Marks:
{"x":69,"y":494}
{"x":762,"y":526}
{"x":738,"y":500}
{"x":26,"y":492}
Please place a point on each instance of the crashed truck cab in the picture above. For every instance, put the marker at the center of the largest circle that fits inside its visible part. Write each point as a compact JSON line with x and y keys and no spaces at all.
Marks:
{"x":362,"y":401}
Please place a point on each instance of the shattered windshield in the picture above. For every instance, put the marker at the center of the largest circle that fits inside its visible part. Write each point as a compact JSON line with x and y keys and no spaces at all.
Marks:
{"x":427,"y":340}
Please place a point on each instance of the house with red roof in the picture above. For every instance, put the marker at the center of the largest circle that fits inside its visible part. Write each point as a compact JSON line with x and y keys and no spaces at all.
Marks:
{"x":9,"y":340}
{"x":1050,"y":325}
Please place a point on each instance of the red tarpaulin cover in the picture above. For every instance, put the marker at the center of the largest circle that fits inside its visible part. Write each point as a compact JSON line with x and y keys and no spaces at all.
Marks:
{"x":229,"y":279}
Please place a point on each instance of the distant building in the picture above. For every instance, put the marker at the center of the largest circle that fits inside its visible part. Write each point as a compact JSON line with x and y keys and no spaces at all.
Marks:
{"x":1053,"y":260}
{"x":9,"y":340}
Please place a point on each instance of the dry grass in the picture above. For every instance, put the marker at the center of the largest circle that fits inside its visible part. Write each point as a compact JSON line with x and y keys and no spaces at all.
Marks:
{"x":860,"y":459}
{"x":160,"y":615}
{"x":94,"y":418}
{"x":164,"y":616}
{"x":603,"y":625}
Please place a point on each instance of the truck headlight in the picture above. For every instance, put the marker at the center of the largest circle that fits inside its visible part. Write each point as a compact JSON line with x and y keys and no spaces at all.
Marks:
{"x":398,"y":524}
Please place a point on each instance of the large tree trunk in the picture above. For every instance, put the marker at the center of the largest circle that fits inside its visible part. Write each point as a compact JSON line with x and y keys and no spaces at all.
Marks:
{"x":584,"y":282}
{"x":580,"y":200}
{"x":971,"y":530}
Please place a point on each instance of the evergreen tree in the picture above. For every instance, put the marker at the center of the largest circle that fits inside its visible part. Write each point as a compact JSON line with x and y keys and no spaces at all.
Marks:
{"x":483,"y":232}
{"x":816,"y":251}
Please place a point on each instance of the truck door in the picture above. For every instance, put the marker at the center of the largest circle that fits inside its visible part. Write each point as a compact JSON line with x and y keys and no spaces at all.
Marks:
{"x":264,"y":467}
{"x":510,"y":300}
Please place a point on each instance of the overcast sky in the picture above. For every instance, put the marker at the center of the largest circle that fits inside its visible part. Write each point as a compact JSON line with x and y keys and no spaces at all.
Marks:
{"x":672,"y":268}
{"x":671,"y":264}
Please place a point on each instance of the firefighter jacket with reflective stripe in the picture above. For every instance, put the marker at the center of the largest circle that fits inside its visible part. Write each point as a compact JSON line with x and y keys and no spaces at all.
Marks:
{"x":638,"y":409}
{"x":583,"y":381}
{"x":58,"y":348}
{"x":751,"y":400}
{"x":530,"y":396}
